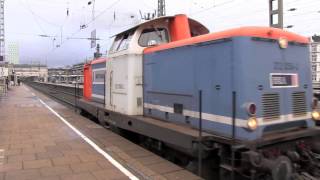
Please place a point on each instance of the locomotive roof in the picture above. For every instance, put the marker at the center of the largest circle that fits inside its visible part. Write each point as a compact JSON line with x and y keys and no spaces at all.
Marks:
{"x":98,"y":60}
{"x":262,"y":32}
{"x":154,"y":21}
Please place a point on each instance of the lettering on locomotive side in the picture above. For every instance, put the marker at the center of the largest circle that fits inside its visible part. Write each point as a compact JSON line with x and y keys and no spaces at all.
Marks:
{"x":285,"y":66}
{"x":119,"y":86}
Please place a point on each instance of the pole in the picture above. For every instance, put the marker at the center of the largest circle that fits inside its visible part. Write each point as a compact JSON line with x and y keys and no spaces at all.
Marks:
{"x":104,"y":90}
{"x":161,"y":8}
{"x":93,"y":6}
{"x":200,"y":135}
{"x":233,"y":115}
{"x":61,"y":29}
{"x":234,"y":110}
{"x":276,"y":13}
{"x":75,"y":97}
{"x":2,"y":32}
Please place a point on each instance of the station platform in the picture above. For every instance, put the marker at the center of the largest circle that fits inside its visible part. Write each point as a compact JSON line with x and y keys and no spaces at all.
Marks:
{"x":42,"y":139}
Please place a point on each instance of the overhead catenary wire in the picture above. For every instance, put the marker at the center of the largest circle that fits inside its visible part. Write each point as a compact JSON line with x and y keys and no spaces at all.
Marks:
{"x":211,"y":7}
{"x":299,"y":4}
{"x":43,"y":19}
{"x":148,"y":5}
{"x":218,"y":7}
{"x":233,"y":17}
{"x":90,"y":22}
{"x":33,"y":15}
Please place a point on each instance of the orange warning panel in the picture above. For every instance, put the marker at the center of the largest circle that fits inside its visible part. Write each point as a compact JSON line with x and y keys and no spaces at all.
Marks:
{"x":87,"y":81}
{"x":179,"y":28}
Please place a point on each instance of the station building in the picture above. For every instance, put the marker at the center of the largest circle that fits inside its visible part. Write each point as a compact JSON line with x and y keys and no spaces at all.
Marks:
{"x":68,"y":74}
{"x":38,"y":71}
{"x":13,"y":53}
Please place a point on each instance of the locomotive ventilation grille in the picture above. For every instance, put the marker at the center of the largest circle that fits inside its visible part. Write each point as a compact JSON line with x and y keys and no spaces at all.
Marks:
{"x":299,"y":105}
{"x":271,"y":106}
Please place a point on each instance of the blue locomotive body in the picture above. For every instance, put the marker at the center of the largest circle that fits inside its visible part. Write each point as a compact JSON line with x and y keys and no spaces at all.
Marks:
{"x":254,"y":70}
{"x":98,"y":80}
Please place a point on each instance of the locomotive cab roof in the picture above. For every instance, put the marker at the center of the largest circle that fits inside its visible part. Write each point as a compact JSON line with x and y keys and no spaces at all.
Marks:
{"x":154,"y":32}
{"x":195,"y":26}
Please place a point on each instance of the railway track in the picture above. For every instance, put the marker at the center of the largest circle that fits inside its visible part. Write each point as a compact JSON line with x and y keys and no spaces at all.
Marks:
{"x":66,"y":94}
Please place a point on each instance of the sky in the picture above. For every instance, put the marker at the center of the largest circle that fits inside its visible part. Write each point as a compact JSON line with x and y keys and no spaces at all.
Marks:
{"x":48,"y":31}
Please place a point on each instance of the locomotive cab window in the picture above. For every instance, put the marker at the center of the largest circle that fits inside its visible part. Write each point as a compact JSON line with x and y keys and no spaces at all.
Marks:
{"x":121,"y":42}
{"x":153,"y":36}
{"x":124,"y":44}
{"x":115,"y":44}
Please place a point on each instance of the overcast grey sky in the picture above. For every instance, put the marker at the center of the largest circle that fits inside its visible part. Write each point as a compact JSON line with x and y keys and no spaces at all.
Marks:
{"x":26,"y":20}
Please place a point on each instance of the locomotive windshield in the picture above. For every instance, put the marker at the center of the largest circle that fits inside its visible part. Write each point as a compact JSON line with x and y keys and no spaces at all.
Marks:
{"x":121,"y":42}
{"x":157,"y":35}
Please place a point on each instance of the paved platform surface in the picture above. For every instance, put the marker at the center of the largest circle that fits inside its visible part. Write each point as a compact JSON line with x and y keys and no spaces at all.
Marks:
{"x":36,"y":144}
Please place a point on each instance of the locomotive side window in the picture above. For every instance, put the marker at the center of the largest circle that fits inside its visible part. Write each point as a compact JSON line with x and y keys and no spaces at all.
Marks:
{"x":115,"y":44}
{"x":124,"y":44}
{"x":98,"y":76}
{"x":153,"y":36}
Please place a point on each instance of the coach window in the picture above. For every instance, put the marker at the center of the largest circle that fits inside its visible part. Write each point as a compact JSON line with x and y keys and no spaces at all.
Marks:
{"x":153,"y":36}
{"x":98,"y":76}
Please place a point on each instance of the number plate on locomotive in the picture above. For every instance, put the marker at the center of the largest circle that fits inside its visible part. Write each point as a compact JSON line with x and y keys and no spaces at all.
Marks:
{"x":281,"y":80}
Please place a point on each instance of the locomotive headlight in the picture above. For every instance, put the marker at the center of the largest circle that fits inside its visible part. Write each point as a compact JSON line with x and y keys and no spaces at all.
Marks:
{"x":315,"y":115}
{"x":252,"y":123}
{"x":283,"y":43}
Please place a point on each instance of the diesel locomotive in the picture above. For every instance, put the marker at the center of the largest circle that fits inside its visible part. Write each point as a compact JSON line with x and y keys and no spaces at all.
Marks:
{"x":235,"y":104}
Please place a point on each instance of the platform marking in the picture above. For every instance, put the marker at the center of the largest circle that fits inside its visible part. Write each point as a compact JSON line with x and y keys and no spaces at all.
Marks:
{"x":94,"y":145}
